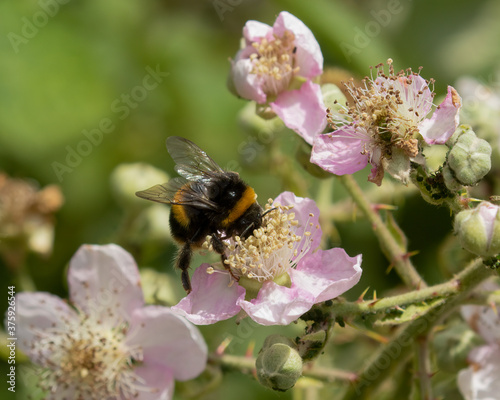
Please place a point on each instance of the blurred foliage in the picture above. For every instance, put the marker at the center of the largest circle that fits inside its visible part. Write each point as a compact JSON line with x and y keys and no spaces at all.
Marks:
{"x":67,"y":69}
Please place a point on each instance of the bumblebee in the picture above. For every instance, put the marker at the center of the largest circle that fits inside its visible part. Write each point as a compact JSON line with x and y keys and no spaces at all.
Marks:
{"x":206,"y":200}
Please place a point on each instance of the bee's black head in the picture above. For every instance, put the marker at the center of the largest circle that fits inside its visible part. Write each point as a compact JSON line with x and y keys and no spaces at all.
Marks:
{"x":250,"y":220}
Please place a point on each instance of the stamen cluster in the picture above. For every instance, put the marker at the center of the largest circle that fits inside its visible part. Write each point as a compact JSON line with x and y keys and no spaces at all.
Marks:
{"x":273,"y":248}
{"x":88,"y":358}
{"x":273,"y":62}
{"x":388,"y":109}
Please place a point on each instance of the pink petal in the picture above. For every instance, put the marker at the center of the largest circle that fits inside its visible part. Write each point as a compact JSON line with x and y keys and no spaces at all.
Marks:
{"x":308,"y":56}
{"x":327,"y":274}
{"x":212,"y":299}
{"x":303,"y":207}
{"x":255,"y":31}
{"x":277,"y":305}
{"x":37,"y":312}
{"x":340,"y":152}
{"x":445,"y":119}
{"x":302,"y":110}
{"x":158,"y":382}
{"x":247,"y":85}
{"x":480,"y":381}
{"x":104,"y":279}
{"x":168,"y":341}
{"x":416,"y":95}
{"x":484,"y":320}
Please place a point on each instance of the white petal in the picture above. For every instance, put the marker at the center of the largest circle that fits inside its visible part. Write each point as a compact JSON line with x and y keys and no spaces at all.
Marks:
{"x":105,"y":280}
{"x":159,"y":383}
{"x":35,"y":313}
{"x":484,"y":320}
{"x":445,"y":119}
{"x":480,"y":381}
{"x":169,"y":341}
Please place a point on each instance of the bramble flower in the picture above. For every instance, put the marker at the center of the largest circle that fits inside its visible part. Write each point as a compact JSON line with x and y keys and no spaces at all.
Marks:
{"x":106,"y":344}
{"x":276,"y":67}
{"x":280,"y":272}
{"x":480,"y":380}
{"x":385,"y":125}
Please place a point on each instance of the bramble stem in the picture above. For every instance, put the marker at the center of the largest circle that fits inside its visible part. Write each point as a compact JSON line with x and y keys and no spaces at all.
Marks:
{"x":376,"y":370}
{"x":398,"y":258}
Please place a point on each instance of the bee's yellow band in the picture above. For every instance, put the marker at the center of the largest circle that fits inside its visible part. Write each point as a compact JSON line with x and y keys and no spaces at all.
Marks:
{"x":247,"y":199}
{"x":178,"y":210}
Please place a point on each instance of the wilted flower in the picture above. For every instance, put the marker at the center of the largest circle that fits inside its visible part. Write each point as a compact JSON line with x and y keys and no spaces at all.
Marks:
{"x":106,"y":344}
{"x":480,"y":381}
{"x":276,"y":67}
{"x":27,"y":213}
{"x":384,"y":125}
{"x":280,"y":272}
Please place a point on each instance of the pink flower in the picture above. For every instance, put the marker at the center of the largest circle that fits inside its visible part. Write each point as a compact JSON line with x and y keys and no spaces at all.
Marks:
{"x":384,"y":126}
{"x":480,"y":381}
{"x":281,"y":276}
{"x":276,"y":66}
{"x":107,"y":344}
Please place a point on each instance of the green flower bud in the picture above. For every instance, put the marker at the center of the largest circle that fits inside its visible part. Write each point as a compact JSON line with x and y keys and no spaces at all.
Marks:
{"x":126,"y":179}
{"x":478,"y":229}
{"x":470,"y":157}
{"x":279,"y":364}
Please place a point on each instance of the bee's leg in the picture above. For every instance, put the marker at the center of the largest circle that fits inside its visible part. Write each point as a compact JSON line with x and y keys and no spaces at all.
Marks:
{"x":183,"y":262}
{"x":218,"y":246}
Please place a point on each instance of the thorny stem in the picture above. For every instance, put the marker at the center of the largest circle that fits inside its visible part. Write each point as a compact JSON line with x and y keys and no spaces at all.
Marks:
{"x":247,"y":365}
{"x":398,"y":258}
{"x":376,"y":370}
{"x":422,"y":379}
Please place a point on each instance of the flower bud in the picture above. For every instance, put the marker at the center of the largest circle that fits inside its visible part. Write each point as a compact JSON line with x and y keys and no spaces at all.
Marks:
{"x":470,"y":157}
{"x":478,"y":229}
{"x":279,"y":364}
{"x":126,"y":179}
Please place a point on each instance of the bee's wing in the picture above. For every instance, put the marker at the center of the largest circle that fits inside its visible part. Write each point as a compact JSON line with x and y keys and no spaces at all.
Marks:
{"x":191,"y":162}
{"x":180,"y":191}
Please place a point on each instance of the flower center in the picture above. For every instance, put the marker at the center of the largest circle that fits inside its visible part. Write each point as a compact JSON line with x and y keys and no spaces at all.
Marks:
{"x":273,"y":62}
{"x":89,"y":359}
{"x":274,"y":248}
{"x":387,"y":110}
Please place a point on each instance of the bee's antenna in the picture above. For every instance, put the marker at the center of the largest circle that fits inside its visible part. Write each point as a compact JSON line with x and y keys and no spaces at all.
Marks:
{"x":268,"y":211}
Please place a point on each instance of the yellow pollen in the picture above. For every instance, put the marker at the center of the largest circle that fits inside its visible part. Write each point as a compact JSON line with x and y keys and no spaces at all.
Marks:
{"x":273,"y":62}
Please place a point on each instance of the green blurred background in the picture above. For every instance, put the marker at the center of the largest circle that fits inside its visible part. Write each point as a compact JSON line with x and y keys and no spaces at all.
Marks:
{"x":66,"y":68}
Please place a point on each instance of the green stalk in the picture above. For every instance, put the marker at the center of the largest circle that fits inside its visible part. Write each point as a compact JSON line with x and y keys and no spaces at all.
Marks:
{"x":376,"y":370}
{"x":398,"y":258}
